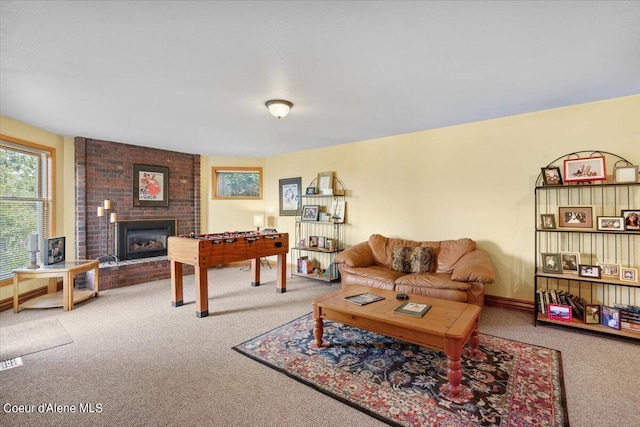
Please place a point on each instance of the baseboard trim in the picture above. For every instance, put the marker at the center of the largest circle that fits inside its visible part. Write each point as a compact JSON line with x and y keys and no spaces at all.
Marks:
{"x":509,"y":303}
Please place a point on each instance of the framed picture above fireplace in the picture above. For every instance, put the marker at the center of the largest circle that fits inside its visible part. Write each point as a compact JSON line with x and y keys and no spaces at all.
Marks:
{"x":150,"y":186}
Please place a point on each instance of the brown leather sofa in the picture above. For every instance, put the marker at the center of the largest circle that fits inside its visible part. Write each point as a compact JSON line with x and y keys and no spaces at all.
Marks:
{"x":450,"y":269}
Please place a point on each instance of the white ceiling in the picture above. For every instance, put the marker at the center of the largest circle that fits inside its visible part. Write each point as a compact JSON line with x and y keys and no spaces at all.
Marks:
{"x":193,"y":76}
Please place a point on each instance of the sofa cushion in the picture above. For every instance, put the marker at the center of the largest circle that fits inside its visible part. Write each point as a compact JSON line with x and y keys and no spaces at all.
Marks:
{"x":432,"y":280}
{"x":382,"y":248}
{"x":374,"y":276}
{"x":422,"y":260}
{"x":451,"y":251}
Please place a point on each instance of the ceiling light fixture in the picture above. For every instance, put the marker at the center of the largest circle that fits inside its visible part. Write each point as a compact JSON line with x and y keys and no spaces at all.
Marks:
{"x":279,"y":107}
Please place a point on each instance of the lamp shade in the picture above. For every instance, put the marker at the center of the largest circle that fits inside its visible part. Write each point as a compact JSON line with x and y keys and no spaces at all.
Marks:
{"x":279,"y":107}
{"x":258,"y":220}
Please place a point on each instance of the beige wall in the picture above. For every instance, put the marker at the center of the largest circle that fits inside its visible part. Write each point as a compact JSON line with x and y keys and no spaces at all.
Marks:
{"x":473,"y":180}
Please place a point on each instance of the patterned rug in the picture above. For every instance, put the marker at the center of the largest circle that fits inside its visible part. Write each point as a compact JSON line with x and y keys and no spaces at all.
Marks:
{"x":509,"y":384}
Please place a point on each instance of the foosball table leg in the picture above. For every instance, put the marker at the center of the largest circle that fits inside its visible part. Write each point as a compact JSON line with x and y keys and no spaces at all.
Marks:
{"x":202,"y":292}
{"x":281,"y":270}
{"x":255,"y":272}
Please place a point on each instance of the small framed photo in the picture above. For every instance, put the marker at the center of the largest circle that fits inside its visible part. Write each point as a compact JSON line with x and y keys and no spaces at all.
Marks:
{"x":592,"y":313}
{"x":610,"y":270}
{"x":313,"y":241}
{"x":570,"y":262}
{"x":560,"y":312}
{"x":625,"y":174}
{"x":587,"y":270}
{"x":310,"y":212}
{"x":551,"y":263}
{"x":311,"y":191}
{"x":551,"y":175}
{"x":610,"y":317}
{"x":322,"y":241}
{"x":575,"y":216}
{"x":631,"y":220}
{"x":548,"y":221}
{"x":585,"y":169}
{"x":325,"y":183}
{"x":55,"y":250}
{"x":610,"y":223}
{"x":629,"y":274}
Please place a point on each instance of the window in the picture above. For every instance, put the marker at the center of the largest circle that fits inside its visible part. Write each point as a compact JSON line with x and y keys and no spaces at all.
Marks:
{"x":236,"y":183}
{"x":26,"y":202}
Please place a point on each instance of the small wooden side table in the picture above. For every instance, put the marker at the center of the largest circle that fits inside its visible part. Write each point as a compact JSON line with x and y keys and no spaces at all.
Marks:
{"x":68,"y":271}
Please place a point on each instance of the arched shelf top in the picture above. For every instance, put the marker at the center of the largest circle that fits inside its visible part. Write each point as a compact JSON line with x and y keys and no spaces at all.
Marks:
{"x":611,"y":161}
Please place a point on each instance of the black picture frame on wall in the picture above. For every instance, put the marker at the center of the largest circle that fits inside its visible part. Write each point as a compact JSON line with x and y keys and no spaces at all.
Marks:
{"x":150,"y":186}
{"x":290,"y":191}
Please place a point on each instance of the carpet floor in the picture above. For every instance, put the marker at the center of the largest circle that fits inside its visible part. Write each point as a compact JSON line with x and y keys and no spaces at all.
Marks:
{"x":31,"y":337}
{"x":509,"y":384}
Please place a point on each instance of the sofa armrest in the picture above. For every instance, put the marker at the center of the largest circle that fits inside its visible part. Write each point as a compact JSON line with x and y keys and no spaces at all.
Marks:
{"x":476,"y":266}
{"x":359,"y":255}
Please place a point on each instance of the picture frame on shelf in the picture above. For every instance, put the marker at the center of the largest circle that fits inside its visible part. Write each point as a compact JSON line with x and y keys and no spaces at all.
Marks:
{"x":570,"y":262}
{"x":56,"y":250}
{"x":560,"y":312}
{"x":585,"y":169}
{"x":575,"y":217}
{"x":551,"y":263}
{"x":548,"y":221}
{"x":592,"y":314}
{"x":290,"y":191}
{"x":325,"y":183}
{"x":628,"y":274}
{"x":322,"y":241}
{"x":150,"y":186}
{"x":310,"y":213}
{"x":311,"y":191}
{"x":551,"y":175}
{"x":625,"y":174}
{"x":589,"y":271}
{"x":610,"y":223}
{"x":610,"y":317}
{"x":609,"y":270}
{"x":631,"y":219}
{"x":313,"y":241}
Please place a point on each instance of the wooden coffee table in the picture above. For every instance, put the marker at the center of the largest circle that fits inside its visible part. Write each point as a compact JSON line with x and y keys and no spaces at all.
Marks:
{"x":447,"y":326}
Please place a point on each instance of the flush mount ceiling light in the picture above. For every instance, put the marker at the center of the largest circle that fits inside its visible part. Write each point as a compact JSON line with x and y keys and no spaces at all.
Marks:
{"x":279,"y":107}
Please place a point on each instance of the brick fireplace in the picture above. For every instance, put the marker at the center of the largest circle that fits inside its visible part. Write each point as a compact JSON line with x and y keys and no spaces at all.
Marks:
{"x":104,"y":170}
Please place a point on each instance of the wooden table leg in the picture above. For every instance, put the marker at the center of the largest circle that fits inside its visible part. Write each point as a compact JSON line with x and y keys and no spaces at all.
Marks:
{"x":52,"y":286}
{"x":255,"y":272}
{"x":281,"y":269}
{"x":176,"y":284}
{"x":453,"y":348}
{"x":474,"y":341}
{"x":202,"y":292}
{"x":67,"y":292}
{"x":318,"y":331}
{"x":16,"y":292}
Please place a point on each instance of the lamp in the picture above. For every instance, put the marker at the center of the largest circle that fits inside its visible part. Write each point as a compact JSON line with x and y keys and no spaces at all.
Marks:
{"x":258,"y":220}
{"x":279,"y":107}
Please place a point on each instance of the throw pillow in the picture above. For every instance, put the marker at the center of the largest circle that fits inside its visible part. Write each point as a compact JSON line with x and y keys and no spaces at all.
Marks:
{"x":422,"y":260}
{"x":401,"y":259}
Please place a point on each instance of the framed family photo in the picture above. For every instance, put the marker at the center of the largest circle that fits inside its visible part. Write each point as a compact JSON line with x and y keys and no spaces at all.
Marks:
{"x":547,"y":221}
{"x":629,"y":274}
{"x":55,"y":250}
{"x":551,"y":175}
{"x":585,"y":169}
{"x":592,"y":313}
{"x":570,"y":262}
{"x":310,"y":212}
{"x":575,"y":216}
{"x":150,"y":186}
{"x":589,"y":271}
{"x":551,"y":263}
{"x":631,"y":220}
{"x":610,"y":223}
{"x":609,"y":270}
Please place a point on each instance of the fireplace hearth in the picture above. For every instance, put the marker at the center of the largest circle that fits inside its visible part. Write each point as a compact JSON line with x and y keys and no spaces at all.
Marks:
{"x":137,"y":239}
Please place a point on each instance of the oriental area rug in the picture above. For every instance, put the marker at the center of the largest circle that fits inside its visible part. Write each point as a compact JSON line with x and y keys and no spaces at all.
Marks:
{"x":508,"y":384}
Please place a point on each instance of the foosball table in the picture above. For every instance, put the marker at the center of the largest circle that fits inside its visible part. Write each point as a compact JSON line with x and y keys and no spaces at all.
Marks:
{"x":209,"y":250}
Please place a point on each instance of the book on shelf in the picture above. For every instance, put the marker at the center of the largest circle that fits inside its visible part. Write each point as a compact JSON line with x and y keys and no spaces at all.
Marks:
{"x":412,"y":308}
{"x":364,"y":299}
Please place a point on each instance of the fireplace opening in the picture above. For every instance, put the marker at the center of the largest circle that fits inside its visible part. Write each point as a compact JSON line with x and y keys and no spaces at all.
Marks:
{"x":143,"y":239}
